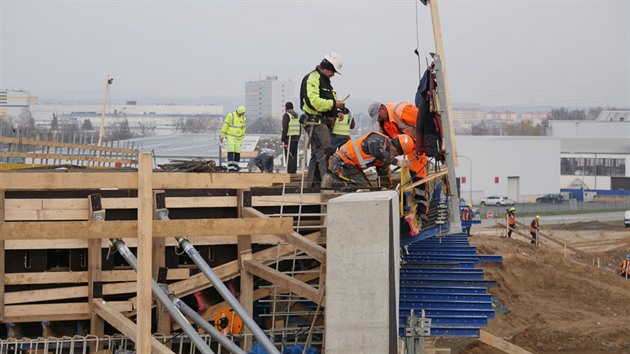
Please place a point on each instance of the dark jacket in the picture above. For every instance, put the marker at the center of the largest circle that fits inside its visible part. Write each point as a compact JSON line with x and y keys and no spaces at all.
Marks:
{"x":285,"y":125}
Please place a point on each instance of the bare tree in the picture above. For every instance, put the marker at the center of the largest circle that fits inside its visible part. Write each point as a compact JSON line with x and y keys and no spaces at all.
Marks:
{"x":146,"y":129}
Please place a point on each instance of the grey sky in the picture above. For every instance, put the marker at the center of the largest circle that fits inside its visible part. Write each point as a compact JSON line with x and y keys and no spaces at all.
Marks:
{"x":498,"y":52}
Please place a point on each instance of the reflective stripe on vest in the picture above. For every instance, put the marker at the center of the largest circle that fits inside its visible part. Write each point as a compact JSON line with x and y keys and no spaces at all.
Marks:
{"x":396,"y":110}
{"x":342,"y":127}
{"x":351,"y":152}
{"x":236,"y":126}
{"x":294,"y":125}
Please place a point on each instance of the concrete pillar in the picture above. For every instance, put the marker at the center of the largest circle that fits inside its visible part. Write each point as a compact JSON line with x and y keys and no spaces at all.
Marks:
{"x":362,"y":276}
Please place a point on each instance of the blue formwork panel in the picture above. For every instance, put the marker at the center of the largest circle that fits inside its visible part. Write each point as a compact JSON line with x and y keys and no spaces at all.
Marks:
{"x":445,"y":250}
{"x":446,"y":297}
{"x":440,"y":289}
{"x":438,"y":248}
{"x":446,"y":305}
{"x":458,"y":276}
{"x":428,"y":262}
{"x":436,"y":264}
{"x":472,"y":332}
{"x":446,"y":283}
{"x":434,"y":270}
{"x":404,"y":313}
{"x":455,"y":321}
{"x":454,"y":258}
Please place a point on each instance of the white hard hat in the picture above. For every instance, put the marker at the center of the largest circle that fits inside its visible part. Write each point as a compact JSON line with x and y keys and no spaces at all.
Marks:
{"x":335,"y":60}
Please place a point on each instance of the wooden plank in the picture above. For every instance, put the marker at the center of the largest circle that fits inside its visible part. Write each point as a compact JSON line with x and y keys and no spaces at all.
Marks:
{"x":144,"y":253}
{"x":287,"y":199}
{"x":67,"y":180}
{"x":2,"y":259}
{"x":309,"y":247}
{"x":428,"y":178}
{"x":60,"y":312}
{"x":65,"y":157}
{"x":10,"y":140}
{"x":82,"y":277}
{"x":159,"y":261}
{"x":501,"y":344}
{"x":260,"y":270}
{"x":95,"y":265}
{"x":179,"y":180}
{"x":128,"y":328}
{"x":246,"y":297}
{"x":58,"y":230}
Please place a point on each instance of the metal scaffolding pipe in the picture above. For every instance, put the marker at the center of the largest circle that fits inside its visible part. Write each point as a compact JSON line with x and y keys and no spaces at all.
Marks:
{"x":227,"y":296}
{"x":164,"y":299}
{"x":201,"y":322}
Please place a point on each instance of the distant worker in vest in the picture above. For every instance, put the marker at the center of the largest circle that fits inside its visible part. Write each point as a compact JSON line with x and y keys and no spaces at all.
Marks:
{"x":467,"y":215}
{"x":534,"y":228}
{"x":625,"y":267}
{"x":341,"y":129}
{"x":234,"y":131}
{"x":395,"y":118}
{"x":374,"y":149}
{"x":321,"y":107}
{"x":511,"y":221}
{"x":291,"y":130}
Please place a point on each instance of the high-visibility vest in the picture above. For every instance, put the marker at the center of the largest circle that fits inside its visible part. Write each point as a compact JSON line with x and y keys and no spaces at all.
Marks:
{"x":234,"y":126}
{"x":352,"y":153}
{"x":511,"y":219}
{"x":342,"y":127}
{"x":294,"y":125}
{"x":404,"y":115}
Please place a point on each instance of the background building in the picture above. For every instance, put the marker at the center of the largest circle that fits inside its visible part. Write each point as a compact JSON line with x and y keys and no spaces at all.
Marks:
{"x":13,"y":102}
{"x":266,"y":98}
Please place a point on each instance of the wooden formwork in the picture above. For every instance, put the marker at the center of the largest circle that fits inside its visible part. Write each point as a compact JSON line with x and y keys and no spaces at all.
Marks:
{"x":65,"y":222}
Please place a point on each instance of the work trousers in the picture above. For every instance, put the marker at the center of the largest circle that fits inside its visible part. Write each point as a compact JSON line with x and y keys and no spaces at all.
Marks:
{"x":534,"y":235}
{"x":347,"y":175}
{"x":510,"y":228}
{"x":291,"y":153}
{"x":233,"y":153}
{"x":337,"y":140}
{"x":320,"y":153}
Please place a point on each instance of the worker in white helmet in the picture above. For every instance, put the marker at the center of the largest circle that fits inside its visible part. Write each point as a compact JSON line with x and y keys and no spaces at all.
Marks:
{"x":233,"y":131}
{"x":321,"y":108}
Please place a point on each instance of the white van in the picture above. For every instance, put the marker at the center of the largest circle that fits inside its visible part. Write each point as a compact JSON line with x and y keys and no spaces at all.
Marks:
{"x":626,"y":218}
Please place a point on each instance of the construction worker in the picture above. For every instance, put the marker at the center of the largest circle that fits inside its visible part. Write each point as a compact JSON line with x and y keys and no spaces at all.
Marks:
{"x":319,"y":102}
{"x":625,"y":267}
{"x":466,"y":215}
{"x":373,"y":149}
{"x":234,"y":131}
{"x":511,"y":221}
{"x":395,"y":118}
{"x":341,"y":129}
{"x":290,"y":136}
{"x":534,"y":227}
{"x":264,"y":160}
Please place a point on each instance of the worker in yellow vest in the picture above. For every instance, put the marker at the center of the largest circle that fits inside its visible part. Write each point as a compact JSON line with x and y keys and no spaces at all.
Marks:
{"x":234,"y":131}
{"x":341,"y":129}
{"x":290,"y":136}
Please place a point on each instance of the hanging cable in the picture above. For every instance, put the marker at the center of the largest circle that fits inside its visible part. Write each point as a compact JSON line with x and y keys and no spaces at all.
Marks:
{"x":417,"y":50}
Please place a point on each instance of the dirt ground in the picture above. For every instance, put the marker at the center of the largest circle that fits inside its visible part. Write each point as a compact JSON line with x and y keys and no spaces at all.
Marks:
{"x":559,"y":302}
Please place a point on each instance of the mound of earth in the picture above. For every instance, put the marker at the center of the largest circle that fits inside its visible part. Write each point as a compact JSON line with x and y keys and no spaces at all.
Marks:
{"x":587,"y":225}
{"x":558,"y":303}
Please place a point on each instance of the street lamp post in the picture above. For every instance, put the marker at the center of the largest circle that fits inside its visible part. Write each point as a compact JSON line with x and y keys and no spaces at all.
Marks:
{"x":470,"y":164}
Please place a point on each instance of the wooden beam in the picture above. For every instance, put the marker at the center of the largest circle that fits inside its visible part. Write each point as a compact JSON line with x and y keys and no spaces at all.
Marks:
{"x":501,"y":344}
{"x":246,"y":297}
{"x":56,"y":180}
{"x":60,"y":312}
{"x":128,"y":328}
{"x":428,"y":178}
{"x":108,"y":276}
{"x":59,"y":230}
{"x":260,"y":270}
{"x":309,"y":247}
{"x":66,"y":157}
{"x":9,"y":140}
{"x":159,"y":261}
{"x":95,"y":265}
{"x":144,"y":253}
{"x":439,"y":50}
{"x":2,"y":259}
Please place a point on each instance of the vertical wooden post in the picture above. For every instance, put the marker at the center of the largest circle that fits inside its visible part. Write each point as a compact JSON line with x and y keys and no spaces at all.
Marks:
{"x":145,"y":238}
{"x":94,"y":261}
{"x":159,"y":261}
{"x":2,"y":259}
{"x":439,"y":50}
{"x":246,"y":297}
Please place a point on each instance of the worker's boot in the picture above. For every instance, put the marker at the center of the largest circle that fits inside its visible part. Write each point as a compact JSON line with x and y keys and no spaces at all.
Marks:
{"x":327,"y":181}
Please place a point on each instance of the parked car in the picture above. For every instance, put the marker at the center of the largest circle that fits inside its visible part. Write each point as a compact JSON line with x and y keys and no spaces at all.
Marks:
{"x":497,"y":200}
{"x":550,"y":198}
{"x":626,"y":218}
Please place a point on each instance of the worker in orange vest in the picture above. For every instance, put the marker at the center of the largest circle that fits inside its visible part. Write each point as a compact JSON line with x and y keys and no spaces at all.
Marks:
{"x":511,"y":221}
{"x":396,"y":118}
{"x":534,"y":227}
{"x":625,"y":267}
{"x":373,"y":149}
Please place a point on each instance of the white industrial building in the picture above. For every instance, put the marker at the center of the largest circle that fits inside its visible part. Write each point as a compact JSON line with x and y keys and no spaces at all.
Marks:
{"x":589,"y":155}
{"x":266,"y":98}
{"x":13,"y":102}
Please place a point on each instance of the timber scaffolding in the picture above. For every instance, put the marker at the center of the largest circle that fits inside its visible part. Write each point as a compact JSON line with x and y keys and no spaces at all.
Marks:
{"x":60,"y":267}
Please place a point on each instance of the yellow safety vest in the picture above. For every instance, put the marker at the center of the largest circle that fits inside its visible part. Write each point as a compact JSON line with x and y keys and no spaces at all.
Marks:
{"x":234,"y":126}
{"x":294,"y":125}
{"x":342,"y":127}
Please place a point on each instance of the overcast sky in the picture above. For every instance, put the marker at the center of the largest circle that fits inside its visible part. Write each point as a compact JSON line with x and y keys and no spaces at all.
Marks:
{"x":498,"y":52}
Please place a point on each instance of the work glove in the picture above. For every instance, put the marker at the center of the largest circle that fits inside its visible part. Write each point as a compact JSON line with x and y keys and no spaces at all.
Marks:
{"x":402,"y":163}
{"x":221,"y":139}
